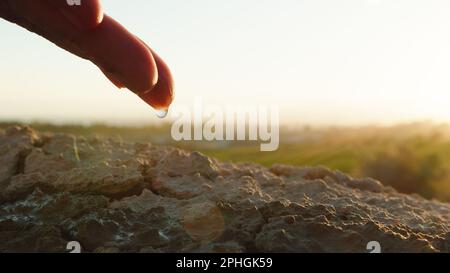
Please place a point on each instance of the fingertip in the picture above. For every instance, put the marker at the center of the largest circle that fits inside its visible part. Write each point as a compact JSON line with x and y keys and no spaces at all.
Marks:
{"x":162,"y":95}
{"x":158,"y":98}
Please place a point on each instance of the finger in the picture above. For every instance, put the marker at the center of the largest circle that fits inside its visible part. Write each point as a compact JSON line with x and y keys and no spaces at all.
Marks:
{"x":43,"y":19}
{"x":122,"y":57}
{"x":161,"y":96}
{"x":88,"y":14}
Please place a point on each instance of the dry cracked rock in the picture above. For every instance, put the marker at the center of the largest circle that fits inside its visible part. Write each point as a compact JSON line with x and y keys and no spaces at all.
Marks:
{"x":112,"y":196}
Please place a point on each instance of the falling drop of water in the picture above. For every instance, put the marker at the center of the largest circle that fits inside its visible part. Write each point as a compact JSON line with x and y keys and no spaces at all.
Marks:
{"x":162,"y":113}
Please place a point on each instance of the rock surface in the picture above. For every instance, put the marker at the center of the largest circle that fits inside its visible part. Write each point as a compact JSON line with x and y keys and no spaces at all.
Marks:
{"x":122,"y":197}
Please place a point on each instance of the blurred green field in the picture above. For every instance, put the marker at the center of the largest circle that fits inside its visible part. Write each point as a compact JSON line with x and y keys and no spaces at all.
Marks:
{"x":415,"y":163}
{"x":413,"y":158}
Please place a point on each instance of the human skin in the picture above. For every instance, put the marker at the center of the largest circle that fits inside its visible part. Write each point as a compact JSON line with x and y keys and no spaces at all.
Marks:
{"x":84,"y":30}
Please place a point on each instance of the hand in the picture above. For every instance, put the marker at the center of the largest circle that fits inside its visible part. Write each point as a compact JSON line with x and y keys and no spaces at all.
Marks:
{"x":86,"y":32}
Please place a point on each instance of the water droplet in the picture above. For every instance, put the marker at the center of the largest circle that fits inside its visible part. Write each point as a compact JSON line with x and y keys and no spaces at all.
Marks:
{"x":162,"y":113}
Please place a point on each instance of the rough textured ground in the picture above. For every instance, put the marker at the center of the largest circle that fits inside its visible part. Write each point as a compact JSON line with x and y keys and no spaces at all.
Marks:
{"x":123,"y":197}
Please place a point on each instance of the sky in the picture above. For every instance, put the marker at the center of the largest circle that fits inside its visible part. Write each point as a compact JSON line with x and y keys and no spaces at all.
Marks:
{"x":323,"y":62}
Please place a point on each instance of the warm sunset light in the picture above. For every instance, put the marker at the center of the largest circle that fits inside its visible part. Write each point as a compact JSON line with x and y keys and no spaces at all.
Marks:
{"x":224,"y":135}
{"x":323,"y":62}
